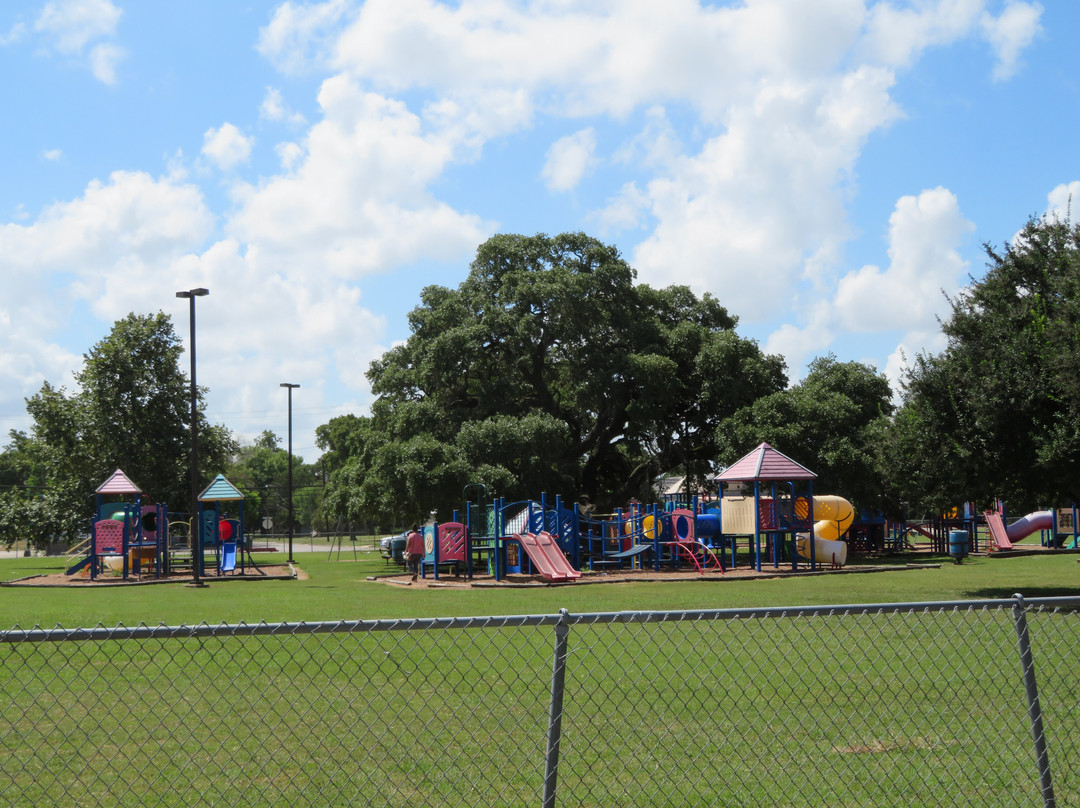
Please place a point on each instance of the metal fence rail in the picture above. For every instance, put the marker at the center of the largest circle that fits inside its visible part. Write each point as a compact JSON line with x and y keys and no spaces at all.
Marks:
{"x":954,"y":704}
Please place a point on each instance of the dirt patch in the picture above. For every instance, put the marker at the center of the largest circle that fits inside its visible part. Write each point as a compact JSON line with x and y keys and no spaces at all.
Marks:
{"x":265,"y":572}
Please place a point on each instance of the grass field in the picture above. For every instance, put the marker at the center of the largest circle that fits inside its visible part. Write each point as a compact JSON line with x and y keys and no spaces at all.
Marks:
{"x":339,"y":590}
{"x":795,"y":711}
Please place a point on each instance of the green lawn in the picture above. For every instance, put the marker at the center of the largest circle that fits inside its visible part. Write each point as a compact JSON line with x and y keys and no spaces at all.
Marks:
{"x":340,"y":590}
{"x":857,"y":710}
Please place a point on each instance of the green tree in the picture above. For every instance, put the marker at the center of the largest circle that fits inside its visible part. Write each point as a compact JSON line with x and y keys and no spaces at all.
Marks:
{"x":261,"y":472}
{"x":828,"y":422}
{"x":997,"y":413}
{"x":547,"y":369}
{"x":131,"y":411}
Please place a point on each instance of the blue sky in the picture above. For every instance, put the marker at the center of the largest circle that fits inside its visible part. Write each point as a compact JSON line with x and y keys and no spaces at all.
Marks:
{"x":826,"y":169}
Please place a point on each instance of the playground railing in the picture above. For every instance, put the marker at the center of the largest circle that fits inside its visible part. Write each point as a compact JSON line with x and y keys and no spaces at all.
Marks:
{"x":969,"y":703}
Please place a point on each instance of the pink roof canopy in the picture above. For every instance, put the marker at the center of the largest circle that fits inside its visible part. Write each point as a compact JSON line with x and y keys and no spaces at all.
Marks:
{"x":118,"y":483}
{"x":766,"y":463}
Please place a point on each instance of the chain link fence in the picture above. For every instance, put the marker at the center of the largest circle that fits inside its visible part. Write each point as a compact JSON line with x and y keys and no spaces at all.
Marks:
{"x":954,"y":704}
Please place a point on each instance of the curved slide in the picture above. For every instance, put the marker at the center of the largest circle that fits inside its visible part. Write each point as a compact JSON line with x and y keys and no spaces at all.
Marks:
{"x":1004,"y":537}
{"x":832,"y":516}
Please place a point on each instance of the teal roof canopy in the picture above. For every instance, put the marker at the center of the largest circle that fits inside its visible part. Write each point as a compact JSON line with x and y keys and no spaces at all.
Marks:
{"x":220,"y":489}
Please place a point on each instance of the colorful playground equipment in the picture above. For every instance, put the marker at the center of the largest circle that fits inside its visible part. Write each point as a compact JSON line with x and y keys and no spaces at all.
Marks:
{"x":221,"y":529}
{"x":555,"y":541}
{"x":783,"y":510}
{"x":125,"y":536}
{"x":832,"y":516}
{"x":1057,"y":527}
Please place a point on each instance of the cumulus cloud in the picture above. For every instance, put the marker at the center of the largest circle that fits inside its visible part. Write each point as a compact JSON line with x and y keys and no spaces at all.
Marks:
{"x":907,"y":297}
{"x":300,"y":36}
{"x":568,"y":159}
{"x":71,"y":25}
{"x":108,"y":251}
{"x":103,"y":61}
{"x":273,"y":108}
{"x":1064,"y":200}
{"x":761,"y":200}
{"x":774,"y":100}
{"x":357,"y":199}
{"x":226,"y":146}
{"x":1010,"y":32}
{"x":74,"y":23}
{"x":52,"y":155}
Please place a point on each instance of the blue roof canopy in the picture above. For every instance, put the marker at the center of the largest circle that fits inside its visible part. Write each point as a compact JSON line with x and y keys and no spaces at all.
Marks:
{"x":220,"y":489}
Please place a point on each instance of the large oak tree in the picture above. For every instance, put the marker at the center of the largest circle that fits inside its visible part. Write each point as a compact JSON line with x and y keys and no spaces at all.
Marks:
{"x":548,"y":369}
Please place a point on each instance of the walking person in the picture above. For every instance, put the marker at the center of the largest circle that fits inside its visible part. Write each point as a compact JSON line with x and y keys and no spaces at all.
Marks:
{"x":414,"y":550}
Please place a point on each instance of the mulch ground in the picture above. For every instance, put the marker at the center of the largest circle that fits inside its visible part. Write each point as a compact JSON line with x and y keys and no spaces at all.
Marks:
{"x":747,"y":573}
{"x":265,"y":572}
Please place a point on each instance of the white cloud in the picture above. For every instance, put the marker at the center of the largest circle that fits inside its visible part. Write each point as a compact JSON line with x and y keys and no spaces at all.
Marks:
{"x":103,"y":61}
{"x":226,"y":146}
{"x":299,"y":36}
{"x":71,"y":25}
{"x":52,"y":155}
{"x":74,"y":23}
{"x":14,"y":34}
{"x":762,"y":205}
{"x":568,"y":159}
{"x":1009,"y":33}
{"x":896,"y":35}
{"x":357,"y":201}
{"x":625,"y":211}
{"x":289,"y":154}
{"x":108,"y":251}
{"x":273,"y":108}
{"x":1064,"y":201}
{"x":925,"y":264}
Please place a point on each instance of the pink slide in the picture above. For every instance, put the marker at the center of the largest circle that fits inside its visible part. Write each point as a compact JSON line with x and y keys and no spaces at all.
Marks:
{"x":1020,"y":529}
{"x":546,"y":556}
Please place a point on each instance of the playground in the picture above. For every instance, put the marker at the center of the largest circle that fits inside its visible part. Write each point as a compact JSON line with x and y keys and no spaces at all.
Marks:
{"x":764,"y":521}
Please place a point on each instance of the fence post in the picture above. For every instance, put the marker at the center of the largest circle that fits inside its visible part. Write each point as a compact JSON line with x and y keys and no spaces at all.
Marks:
{"x":558,"y":681}
{"x":1027,"y":664}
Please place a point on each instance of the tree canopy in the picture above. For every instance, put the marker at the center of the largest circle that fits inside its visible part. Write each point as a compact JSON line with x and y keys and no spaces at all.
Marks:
{"x":997,"y":413}
{"x":548,"y":369}
{"x":130,"y":411}
{"x":828,"y":422}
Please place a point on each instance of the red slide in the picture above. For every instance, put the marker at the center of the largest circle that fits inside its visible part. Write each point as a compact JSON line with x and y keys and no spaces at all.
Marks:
{"x":546,"y":557}
{"x":555,"y":555}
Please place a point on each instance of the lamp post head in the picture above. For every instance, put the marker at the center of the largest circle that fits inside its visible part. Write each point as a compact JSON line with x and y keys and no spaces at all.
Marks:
{"x":286,"y":384}
{"x":200,"y":292}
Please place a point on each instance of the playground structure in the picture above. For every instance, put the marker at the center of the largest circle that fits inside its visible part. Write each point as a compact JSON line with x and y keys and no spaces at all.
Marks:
{"x":783,"y":522}
{"x":136,"y":539}
{"x":221,"y":530}
{"x":1057,"y":528}
{"x":126,"y":536}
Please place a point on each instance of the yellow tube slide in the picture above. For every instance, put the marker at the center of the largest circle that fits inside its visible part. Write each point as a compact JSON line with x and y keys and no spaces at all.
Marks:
{"x":832,"y":517}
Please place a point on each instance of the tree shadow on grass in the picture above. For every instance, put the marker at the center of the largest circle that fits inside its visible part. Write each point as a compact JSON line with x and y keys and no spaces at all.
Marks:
{"x":996,"y":592}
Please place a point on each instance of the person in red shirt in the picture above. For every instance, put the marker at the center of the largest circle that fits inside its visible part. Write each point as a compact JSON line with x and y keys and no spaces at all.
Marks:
{"x":414,"y":550}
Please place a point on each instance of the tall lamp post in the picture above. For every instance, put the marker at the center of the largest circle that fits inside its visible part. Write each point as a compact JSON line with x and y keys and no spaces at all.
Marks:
{"x":195,"y":537}
{"x":290,"y":387}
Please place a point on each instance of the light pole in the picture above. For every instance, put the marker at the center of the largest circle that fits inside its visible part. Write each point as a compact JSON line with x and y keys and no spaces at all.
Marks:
{"x":290,"y":387}
{"x":195,"y":537}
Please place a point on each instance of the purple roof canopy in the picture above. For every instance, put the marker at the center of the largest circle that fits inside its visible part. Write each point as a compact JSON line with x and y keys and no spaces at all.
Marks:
{"x":118,"y":483}
{"x":766,"y":463}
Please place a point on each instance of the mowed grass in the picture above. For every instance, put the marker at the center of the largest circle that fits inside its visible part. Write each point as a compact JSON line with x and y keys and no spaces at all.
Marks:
{"x":336,"y":590}
{"x":859,"y":710}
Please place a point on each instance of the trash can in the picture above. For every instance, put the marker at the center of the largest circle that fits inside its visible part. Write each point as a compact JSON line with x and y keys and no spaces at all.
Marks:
{"x":397,"y":547}
{"x":958,"y":544}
